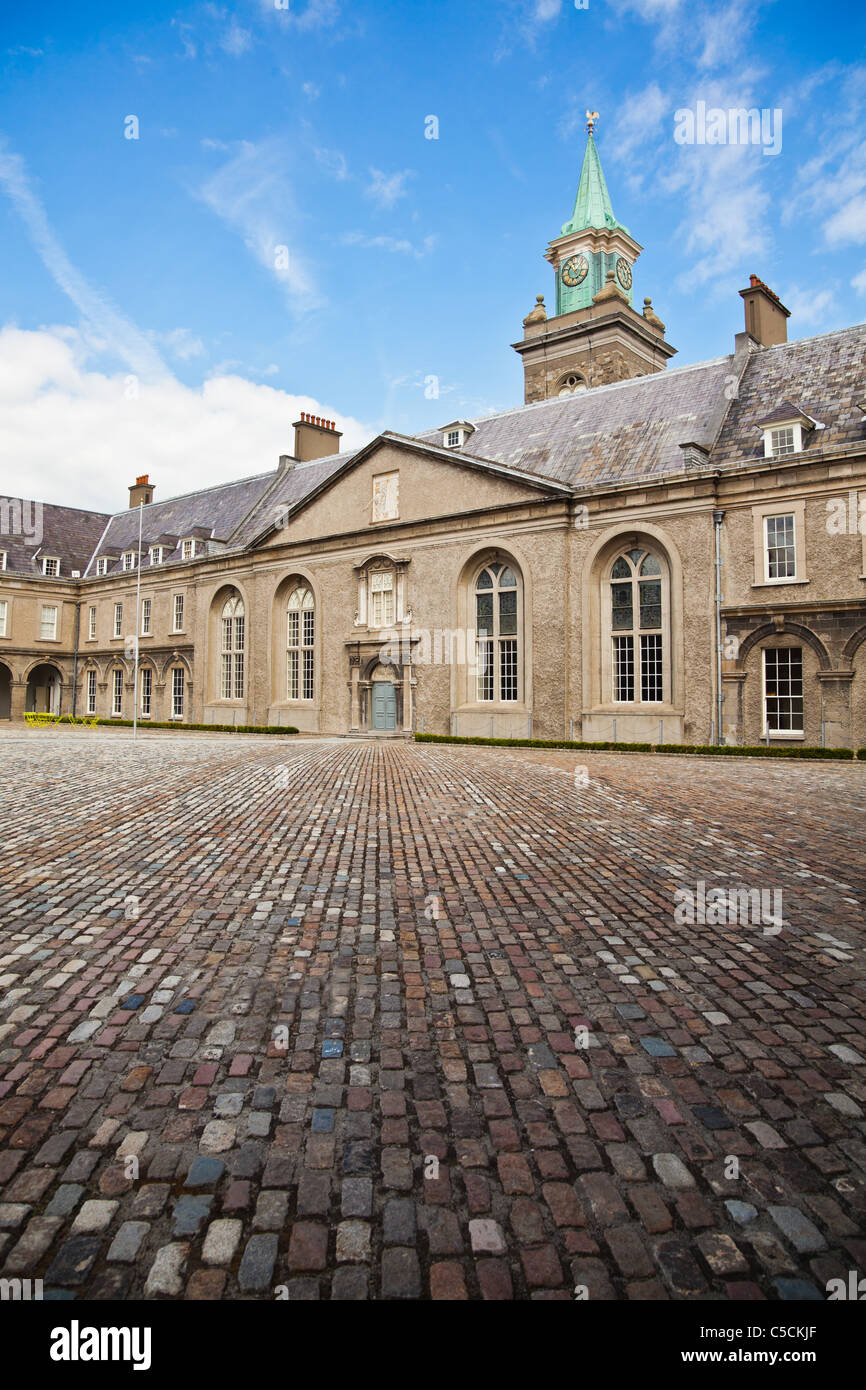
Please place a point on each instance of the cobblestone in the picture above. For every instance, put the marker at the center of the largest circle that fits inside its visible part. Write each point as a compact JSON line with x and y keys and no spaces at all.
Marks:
{"x":418,"y":1022}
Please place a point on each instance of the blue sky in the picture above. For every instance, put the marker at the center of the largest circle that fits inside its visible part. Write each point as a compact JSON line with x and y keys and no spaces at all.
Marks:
{"x":151,"y":323}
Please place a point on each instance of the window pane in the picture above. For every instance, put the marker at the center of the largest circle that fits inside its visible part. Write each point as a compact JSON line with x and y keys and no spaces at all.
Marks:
{"x":485,"y":670}
{"x":623,"y":668}
{"x":508,"y":579}
{"x":485,"y":580}
{"x":308,"y":675}
{"x":293,"y":629}
{"x":634,"y":555}
{"x":650,"y":566}
{"x":781,"y":552}
{"x":651,"y":682}
{"x":621,"y":570}
{"x":293,"y":675}
{"x":623,"y":613}
{"x":309,"y":627}
{"x":484,"y":614}
{"x":650,"y":603}
{"x":508,"y":613}
{"x":508,"y":670}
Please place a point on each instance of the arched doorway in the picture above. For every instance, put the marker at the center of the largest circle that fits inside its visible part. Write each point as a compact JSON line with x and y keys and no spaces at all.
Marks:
{"x":43,"y":690}
{"x":5,"y":692}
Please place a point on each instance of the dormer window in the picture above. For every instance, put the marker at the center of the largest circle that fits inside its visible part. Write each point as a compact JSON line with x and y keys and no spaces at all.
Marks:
{"x":51,"y":566}
{"x":128,"y":562}
{"x":157,"y":554}
{"x":455,"y":435}
{"x":784,"y":431}
{"x":102,"y":565}
{"x":187,"y":549}
{"x":785,"y":441}
{"x":2,"y":559}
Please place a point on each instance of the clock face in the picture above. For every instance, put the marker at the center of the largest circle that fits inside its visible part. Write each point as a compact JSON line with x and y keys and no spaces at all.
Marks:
{"x":623,"y":273}
{"x":575,"y":270}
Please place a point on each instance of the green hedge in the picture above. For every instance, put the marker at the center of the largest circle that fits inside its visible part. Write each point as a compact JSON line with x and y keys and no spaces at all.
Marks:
{"x":713,"y":750}
{"x":177,"y":724}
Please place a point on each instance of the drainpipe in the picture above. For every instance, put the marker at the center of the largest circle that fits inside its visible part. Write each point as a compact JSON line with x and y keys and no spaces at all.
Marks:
{"x":75,"y":659}
{"x":718,"y":518}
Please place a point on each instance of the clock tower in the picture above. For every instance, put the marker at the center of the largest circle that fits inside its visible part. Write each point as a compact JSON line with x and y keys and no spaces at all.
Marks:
{"x":595,"y":336}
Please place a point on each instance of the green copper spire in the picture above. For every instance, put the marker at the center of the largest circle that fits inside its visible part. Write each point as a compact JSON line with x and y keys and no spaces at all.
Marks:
{"x":592,"y":206}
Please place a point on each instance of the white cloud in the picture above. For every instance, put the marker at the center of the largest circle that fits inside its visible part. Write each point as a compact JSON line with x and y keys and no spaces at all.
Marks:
{"x":859,"y":282}
{"x":104,"y":321}
{"x":252,"y":195}
{"x":385,"y":189}
{"x":70,"y":435}
{"x":389,"y":243}
{"x":849,"y":223}
{"x":180,"y":343}
{"x":333,"y":163}
{"x":319,"y":14}
{"x":311,"y":91}
{"x":808,"y":305}
{"x":236,"y":41}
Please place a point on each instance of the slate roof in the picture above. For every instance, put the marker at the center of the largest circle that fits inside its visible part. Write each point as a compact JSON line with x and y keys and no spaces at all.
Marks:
{"x":67,"y":533}
{"x":289,"y":489}
{"x":216,"y":511}
{"x":826,"y":376}
{"x":632,"y":429}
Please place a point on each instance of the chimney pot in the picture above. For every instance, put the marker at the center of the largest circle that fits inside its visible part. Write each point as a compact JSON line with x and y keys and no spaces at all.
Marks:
{"x":766,"y":315}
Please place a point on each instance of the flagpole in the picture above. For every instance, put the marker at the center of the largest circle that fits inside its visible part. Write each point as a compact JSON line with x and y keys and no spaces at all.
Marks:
{"x":137,"y":625}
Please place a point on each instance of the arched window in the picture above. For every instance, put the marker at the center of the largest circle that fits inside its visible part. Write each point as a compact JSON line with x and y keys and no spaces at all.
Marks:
{"x":638,"y":607}
{"x":497,"y":626}
{"x":571,"y":383}
{"x":300,"y":644}
{"x":233,"y":644}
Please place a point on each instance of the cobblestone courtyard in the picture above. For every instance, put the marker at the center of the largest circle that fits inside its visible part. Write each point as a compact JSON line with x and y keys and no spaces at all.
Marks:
{"x":322,"y":1019}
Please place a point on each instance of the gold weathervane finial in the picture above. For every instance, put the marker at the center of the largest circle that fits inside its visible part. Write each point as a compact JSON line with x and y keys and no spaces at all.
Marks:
{"x":591,"y":118}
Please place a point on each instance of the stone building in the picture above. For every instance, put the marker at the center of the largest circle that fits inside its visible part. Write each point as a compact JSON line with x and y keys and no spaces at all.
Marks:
{"x":638,"y":551}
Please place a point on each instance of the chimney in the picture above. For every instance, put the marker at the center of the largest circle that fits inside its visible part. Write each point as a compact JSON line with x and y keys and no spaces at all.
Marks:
{"x":766,"y":315}
{"x":141,"y":493}
{"x":315,"y":438}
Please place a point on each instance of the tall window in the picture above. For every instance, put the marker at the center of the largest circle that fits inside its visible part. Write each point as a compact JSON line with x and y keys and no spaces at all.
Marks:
{"x":2,"y":559}
{"x":118,"y":620}
{"x":496,"y":625}
{"x":145,"y":617}
{"x":48,"y":624}
{"x":51,"y":567}
{"x":783,"y":690}
{"x":781,"y":547}
{"x":178,"y":613}
{"x":91,"y":624}
{"x":637,"y":620}
{"x":102,"y":565}
{"x":187,"y":550}
{"x":382,"y":599}
{"x":177,"y":693}
{"x":117,"y":692}
{"x":146,"y":691}
{"x":4,"y":617}
{"x":156,"y":554}
{"x":300,"y":644}
{"x":233,"y":642}
{"x":91,"y":692}
{"x":129,"y":560}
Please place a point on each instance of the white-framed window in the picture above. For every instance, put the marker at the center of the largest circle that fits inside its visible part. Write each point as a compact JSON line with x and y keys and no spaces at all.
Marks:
{"x":568,"y":385}
{"x":102,"y":565}
{"x":783,"y":691}
{"x":51,"y":566}
{"x":453,"y":438}
{"x":2,"y":559}
{"x":91,"y":692}
{"x":300,"y":644}
{"x":128,"y":562}
{"x":146,"y":606}
{"x":783,"y":441}
{"x":637,"y":621}
{"x":146,"y":691}
{"x":48,"y":623}
{"x":187,"y":550}
{"x":91,"y":625}
{"x":157,"y":554}
{"x":177,"y":684}
{"x":117,"y":692}
{"x":780,"y":546}
{"x":4,"y":618}
{"x":118,"y":620}
{"x":177,"y":608}
{"x":233,"y":646}
{"x":497,"y":632}
{"x":382,"y":599}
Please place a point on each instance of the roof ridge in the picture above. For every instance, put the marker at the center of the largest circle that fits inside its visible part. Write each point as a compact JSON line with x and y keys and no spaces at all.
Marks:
{"x":198,"y":492}
{"x":816,"y":337}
